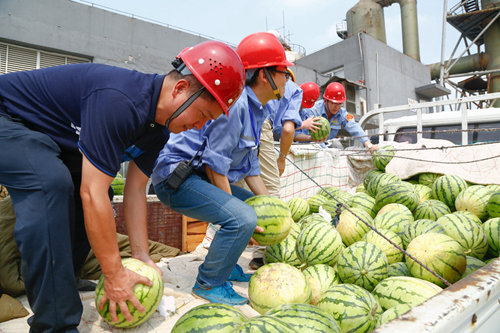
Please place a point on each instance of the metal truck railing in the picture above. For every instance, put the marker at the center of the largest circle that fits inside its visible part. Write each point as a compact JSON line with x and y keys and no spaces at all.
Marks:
{"x":460,"y":104}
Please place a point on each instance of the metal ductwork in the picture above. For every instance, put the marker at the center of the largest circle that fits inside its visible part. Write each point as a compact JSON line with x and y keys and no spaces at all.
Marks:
{"x":368,"y":16}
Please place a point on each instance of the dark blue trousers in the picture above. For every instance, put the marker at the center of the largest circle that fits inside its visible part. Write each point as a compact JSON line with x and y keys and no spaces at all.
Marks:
{"x":44,"y":183}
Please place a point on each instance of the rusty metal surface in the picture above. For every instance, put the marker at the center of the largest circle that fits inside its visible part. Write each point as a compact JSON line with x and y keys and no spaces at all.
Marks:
{"x":469,"y":305}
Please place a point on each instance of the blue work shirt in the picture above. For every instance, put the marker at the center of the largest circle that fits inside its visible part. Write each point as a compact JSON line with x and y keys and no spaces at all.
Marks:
{"x":231,"y":144}
{"x":286,"y":108}
{"x":338,"y":121}
{"x":107,"y":113}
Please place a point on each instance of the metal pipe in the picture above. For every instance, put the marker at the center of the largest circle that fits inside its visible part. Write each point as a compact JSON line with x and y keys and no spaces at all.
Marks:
{"x":409,"y":24}
{"x":366,"y":16}
{"x":472,"y":63}
{"x":492,"y":48}
{"x":443,"y":39}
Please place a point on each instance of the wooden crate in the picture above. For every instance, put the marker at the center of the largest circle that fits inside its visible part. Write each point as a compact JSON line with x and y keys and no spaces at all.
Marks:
{"x":193,"y":232}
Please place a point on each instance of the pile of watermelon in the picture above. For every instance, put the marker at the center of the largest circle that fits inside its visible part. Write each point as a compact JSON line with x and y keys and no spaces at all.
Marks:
{"x":337,"y":274}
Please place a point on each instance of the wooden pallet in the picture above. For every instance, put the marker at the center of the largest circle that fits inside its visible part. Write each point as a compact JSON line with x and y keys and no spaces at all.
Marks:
{"x":193,"y":232}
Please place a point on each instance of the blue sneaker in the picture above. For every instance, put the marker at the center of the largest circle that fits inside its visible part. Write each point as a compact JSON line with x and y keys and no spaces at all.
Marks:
{"x":238,"y":275}
{"x":221,"y":294}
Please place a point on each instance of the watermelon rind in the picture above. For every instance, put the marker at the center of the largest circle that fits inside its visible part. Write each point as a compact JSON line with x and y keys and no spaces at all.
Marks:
{"x":209,"y":318}
{"x":305,"y":318}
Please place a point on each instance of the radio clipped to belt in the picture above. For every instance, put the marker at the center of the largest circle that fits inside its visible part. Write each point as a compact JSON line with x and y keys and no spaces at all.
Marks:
{"x":183,"y":170}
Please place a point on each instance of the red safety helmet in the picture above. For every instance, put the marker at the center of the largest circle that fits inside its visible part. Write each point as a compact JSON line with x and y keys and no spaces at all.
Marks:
{"x":310,"y":94}
{"x":335,"y":93}
{"x":218,"y":68}
{"x":262,"y":49}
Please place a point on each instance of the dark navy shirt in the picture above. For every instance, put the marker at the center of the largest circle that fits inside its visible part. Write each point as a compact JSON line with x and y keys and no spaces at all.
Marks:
{"x":105,"y":112}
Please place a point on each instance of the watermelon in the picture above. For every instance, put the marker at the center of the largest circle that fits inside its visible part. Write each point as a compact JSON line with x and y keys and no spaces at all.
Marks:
{"x":382,"y":156}
{"x":440,"y":253}
{"x":361,"y":189}
{"x":264,"y":324}
{"x":466,"y":232}
{"x":284,"y":251}
{"x":424,"y":192}
{"x":362,"y":264}
{"x":380,"y":180}
{"x":311,"y":218}
{"x":397,"y":207}
{"x":298,"y":208}
{"x":473,"y":264}
{"x":431,"y":210}
{"x":491,"y":229}
{"x":209,"y":318}
{"x":420,"y":227}
{"x":149,"y":296}
{"x":273,"y":215}
{"x":321,"y":277}
{"x":305,"y":318}
{"x":428,"y":178}
{"x":493,"y":188}
{"x":446,"y":189}
{"x":352,"y":307}
{"x":369,"y":176}
{"x":323,"y":132}
{"x":398,"y":269}
{"x":351,"y":228}
{"x":394,"y":220}
{"x":315,"y":202}
{"x":400,"y":192}
{"x":396,"y":290}
{"x":393,"y":313}
{"x":493,"y":205}
{"x":318,"y":243}
{"x":276,"y":284}
{"x":469,"y":216}
{"x":365,"y":202}
{"x":328,"y":191}
{"x":118,"y":184}
{"x":391,"y":252}
{"x":474,"y":199}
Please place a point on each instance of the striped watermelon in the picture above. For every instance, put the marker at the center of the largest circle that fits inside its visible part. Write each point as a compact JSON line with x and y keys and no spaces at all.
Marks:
{"x":491,"y":229}
{"x":315,"y":202}
{"x":469,"y":215}
{"x":284,"y":251}
{"x":393,"y":220}
{"x":382,"y":156}
{"x":397,"y":207}
{"x":474,"y":199}
{"x":323,"y":132}
{"x":328,"y":191}
{"x":351,"y":228}
{"x":393,"y":313}
{"x":438,"y":252}
{"x":310,"y":219}
{"x":369,"y":176}
{"x":331,"y":207}
{"x":446,"y":189}
{"x":365,"y":202}
{"x":305,"y":318}
{"x":298,"y":208}
{"x":118,"y":184}
{"x":321,"y":277}
{"x":466,"y":232}
{"x":378,"y":181}
{"x":276,"y":284}
{"x":149,"y":297}
{"x":428,"y":178}
{"x":391,"y":252}
{"x":424,"y":192}
{"x":493,"y":188}
{"x":264,"y":324}
{"x":352,"y":307}
{"x":362,"y":264}
{"x":398,"y":269}
{"x":431,"y":210}
{"x":361,"y":189}
{"x":473,"y":264}
{"x":493,"y":205}
{"x":402,"y":193}
{"x":274,"y":216}
{"x":420,"y":227}
{"x":396,"y":290}
{"x":210,"y":318}
{"x":318,"y":243}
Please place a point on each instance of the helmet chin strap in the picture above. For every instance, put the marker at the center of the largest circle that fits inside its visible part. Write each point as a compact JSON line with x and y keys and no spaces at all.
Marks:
{"x":185,"y":105}
{"x":276,"y":91}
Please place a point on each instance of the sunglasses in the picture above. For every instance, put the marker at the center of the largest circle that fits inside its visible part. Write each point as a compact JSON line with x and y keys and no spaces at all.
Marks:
{"x":288,"y":75}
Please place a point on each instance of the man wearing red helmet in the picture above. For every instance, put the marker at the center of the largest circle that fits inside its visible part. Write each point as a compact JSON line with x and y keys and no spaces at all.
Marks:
{"x":223,"y":152}
{"x":331,"y":108}
{"x":64,"y":132}
{"x":310,"y":96}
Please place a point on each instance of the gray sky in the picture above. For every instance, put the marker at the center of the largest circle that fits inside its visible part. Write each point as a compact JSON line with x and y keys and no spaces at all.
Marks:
{"x":310,"y":23}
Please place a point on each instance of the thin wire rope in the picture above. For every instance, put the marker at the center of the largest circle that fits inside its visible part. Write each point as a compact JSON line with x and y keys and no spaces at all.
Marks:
{"x":368,"y":224}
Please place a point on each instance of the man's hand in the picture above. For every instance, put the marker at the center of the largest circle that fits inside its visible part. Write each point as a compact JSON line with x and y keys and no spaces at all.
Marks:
{"x":371,"y":147}
{"x":119,"y":289}
{"x":257,"y":229}
{"x":311,"y":124}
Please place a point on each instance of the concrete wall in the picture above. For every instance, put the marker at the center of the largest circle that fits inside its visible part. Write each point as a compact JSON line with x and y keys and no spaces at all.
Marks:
{"x":103,"y":36}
